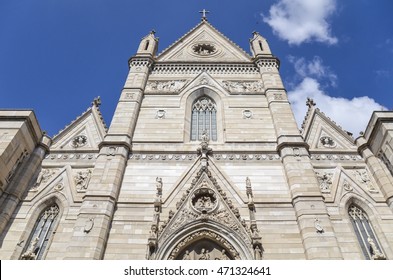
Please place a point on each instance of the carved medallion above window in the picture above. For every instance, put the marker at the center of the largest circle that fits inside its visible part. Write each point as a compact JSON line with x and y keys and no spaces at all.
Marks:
{"x":204,"y":199}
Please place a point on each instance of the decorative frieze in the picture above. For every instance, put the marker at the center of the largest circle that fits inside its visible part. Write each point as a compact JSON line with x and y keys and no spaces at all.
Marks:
{"x":67,"y":156}
{"x":336,"y":157}
{"x":243,"y":86}
{"x":183,"y":69}
{"x":216,"y":156}
{"x":165,"y":86}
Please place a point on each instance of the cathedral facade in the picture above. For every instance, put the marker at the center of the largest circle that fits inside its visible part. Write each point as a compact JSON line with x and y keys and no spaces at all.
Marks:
{"x":203,"y":160}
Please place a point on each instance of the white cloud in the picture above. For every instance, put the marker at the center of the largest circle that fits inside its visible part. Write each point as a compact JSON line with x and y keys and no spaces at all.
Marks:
{"x":314,"y":68}
{"x":298,"y":21}
{"x":351,"y":114}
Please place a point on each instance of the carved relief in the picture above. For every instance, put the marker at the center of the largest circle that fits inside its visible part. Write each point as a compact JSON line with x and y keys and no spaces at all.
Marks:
{"x":88,"y":225}
{"x":247,"y":114}
{"x":210,"y":246}
{"x":347,"y":186}
{"x":165,"y":86}
{"x":204,"y":200}
{"x":43,"y":178}
{"x":241,"y":86}
{"x":363,"y":178}
{"x":204,"y":49}
{"x":59,"y":187}
{"x":328,"y":142}
{"x":325,"y":181}
{"x":160,"y":114}
{"x":318,"y":226}
{"x":82,"y":179}
{"x":78,"y":141}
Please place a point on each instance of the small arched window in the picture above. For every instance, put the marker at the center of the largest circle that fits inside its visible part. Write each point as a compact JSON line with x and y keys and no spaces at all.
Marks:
{"x":368,"y":241}
{"x":40,"y":236}
{"x":204,"y":118}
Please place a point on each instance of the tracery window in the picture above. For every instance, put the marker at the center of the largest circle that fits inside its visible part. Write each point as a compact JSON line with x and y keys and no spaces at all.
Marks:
{"x":41,"y":234}
{"x":368,"y":241}
{"x":204,"y":117}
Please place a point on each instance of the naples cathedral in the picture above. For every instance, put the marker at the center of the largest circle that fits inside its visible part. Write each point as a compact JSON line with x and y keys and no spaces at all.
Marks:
{"x":203,"y":160}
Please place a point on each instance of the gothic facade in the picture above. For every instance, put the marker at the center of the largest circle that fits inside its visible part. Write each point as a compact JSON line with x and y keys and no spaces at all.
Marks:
{"x":203,"y":160}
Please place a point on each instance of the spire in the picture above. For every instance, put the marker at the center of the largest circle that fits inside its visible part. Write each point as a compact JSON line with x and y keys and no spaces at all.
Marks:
{"x":259,"y":45}
{"x":149,"y":44}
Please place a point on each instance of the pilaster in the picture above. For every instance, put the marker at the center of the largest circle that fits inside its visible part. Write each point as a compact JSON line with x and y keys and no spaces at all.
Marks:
{"x":378,"y":170}
{"x":93,"y":223}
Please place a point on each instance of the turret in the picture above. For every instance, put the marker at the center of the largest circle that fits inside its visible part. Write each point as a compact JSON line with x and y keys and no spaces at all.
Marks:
{"x":259,"y":45}
{"x":148,"y":45}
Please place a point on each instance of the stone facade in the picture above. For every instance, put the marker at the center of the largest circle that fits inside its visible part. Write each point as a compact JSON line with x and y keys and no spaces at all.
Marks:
{"x":250,"y":186}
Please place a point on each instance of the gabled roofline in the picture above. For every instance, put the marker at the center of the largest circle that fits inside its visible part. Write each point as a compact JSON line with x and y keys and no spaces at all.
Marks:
{"x":196,"y":27}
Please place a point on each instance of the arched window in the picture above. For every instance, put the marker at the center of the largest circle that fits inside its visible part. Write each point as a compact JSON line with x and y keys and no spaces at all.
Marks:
{"x":204,"y":117}
{"x":365,"y":234}
{"x":41,"y":234}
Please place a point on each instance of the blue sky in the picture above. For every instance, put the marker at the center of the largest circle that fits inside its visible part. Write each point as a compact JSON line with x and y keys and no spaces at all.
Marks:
{"x":57,"y":56}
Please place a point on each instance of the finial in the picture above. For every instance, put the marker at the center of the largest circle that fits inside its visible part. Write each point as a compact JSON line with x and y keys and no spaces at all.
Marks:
{"x":204,"y":12}
{"x":96,"y":102}
{"x":310,"y":102}
{"x":255,"y":33}
{"x":152,"y":32}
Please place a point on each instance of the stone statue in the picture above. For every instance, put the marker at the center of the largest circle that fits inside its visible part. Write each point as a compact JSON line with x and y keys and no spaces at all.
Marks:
{"x":30,"y":253}
{"x":159,"y":184}
{"x":374,"y":251}
{"x":186,"y":255}
{"x":204,"y":254}
{"x":258,"y":253}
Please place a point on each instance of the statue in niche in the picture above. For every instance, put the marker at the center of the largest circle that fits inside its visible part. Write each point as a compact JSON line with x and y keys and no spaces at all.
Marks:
{"x":258,"y":253}
{"x":204,"y":254}
{"x":82,"y":179}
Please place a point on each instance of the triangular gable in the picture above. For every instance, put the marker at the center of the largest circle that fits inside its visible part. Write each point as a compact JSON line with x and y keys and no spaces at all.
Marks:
{"x":321,"y":133}
{"x":72,"y":183}
{"x":344,"y":181}
{"x":203,"y":43}
{"x":84,"y":133}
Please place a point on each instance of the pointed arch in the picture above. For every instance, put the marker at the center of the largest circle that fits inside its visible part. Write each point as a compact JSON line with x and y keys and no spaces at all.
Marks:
{"x":363,"y":219}
{"x":39,"y":232}
{"x":226,"y":239}
{"x":204,"y":110}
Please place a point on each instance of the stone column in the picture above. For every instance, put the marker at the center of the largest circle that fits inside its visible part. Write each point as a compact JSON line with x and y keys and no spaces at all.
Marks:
{"x":92,"y":226}
{"x":18,"y":186}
